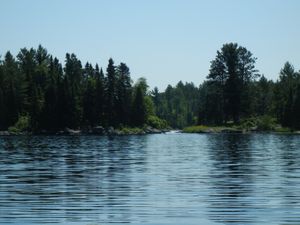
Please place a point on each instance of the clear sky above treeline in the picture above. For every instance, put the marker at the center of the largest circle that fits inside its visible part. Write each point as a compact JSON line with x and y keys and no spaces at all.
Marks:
{"x":162,"y":40}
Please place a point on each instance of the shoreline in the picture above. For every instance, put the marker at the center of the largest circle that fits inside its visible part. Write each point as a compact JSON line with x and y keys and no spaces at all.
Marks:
{"x":98,"y":131}
{"x":142,"y":132}
{"x":235,"y":130}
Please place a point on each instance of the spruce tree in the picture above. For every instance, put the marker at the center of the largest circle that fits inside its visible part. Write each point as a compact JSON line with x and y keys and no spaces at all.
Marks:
{"x":138,"y":108}
{"x":100,"y":97}
{"x":73,"y":91}
{"x":110,"y":89}
{"x":124,"y":90}
{"x":231,"y":72}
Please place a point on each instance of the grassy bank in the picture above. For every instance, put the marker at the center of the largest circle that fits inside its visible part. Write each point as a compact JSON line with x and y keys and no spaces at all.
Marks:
{"x":235,"y":129}
{"x":254,"y":124}
{"x":211,"y":129}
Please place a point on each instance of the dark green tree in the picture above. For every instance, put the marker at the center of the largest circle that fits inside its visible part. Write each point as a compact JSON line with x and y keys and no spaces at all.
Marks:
{"x":124,"y":93}
{"x":100,"y":96}
{"x":73,"y":91}
{"x":231,"y":72}
{"x":52,"y":107}
{"x":263,"y":94}
{"x":2,"y":100}
{"x":284,"y":95}
{"x":89,"y":97}
{"x":38,"y":89}
{"x":13,"y":91}
{"x":296,"y":108}
{"x":139,"y":111}
{"x":110,"y":93}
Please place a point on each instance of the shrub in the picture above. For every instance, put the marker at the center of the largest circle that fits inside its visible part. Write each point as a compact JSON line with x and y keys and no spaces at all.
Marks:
{"x":261,"y":123}
{"x":247,"y":123}
{"x":21,"y":125}
{"x":283,"y":129}
{"x":156,"y":122}
{"x":130,"y":130}
{"x":195,"y":129}
{"x":266,"y":123}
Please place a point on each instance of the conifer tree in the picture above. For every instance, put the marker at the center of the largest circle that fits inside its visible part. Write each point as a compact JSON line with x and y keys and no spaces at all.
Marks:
{"x":124,"y":89}
{"x":110,"y":89}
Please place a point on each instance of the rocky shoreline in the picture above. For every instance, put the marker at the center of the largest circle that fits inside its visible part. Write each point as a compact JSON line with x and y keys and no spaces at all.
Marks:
{"x":111,"y":131}
{"x":237,"y":131}
{"x":99,"y":130}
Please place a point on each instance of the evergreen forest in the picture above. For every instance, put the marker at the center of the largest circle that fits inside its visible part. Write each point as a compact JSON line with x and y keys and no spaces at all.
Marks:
{"x":38,"y":92}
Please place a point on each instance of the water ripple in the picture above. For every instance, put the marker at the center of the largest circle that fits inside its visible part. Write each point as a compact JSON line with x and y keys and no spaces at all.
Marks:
{"x":154,"y":179}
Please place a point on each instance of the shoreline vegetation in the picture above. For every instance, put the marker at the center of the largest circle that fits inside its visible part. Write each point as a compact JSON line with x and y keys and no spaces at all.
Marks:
{"x":40,"y":95}
{"x":99,"y":130}
{"x":125,"y":131}
{"x":264,"y":124}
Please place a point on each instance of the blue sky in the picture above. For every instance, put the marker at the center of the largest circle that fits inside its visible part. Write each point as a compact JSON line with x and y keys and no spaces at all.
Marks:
{"x":162,"y":40}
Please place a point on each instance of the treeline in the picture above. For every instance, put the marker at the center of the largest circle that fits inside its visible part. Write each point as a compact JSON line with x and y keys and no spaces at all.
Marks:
{"x":233,"y":92}
{"x":38,"y":93}
{"x":178,"y":105}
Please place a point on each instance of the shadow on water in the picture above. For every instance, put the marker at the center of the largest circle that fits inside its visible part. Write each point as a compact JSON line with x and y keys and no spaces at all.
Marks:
{"x":231,"y":179}
{"x":210,"y":179}
{"x":289,"y":176}
{"x":254,"y":179}
{"x":78,"y":179}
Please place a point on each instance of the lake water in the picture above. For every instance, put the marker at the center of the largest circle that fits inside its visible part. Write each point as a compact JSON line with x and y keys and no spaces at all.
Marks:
{"x":153,"y":179}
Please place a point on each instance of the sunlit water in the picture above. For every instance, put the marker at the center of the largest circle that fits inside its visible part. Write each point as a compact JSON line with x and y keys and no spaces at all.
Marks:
{"x":154,"y":179}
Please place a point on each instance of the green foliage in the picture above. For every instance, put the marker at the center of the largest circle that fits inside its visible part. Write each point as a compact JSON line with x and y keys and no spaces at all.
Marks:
{"x":248,"y":124}
{"x":149,"y":106}
{"x":196,"y":129}
{"x":130,"y":130}
{"x":230,"y":76}
{"x":124,"y":94}
{"x":280,"y":129}
{"x":286,"y":97}
{"x":156,"y":122}
{"x":266,"y":123}
{"x":211,"y":129}
{"x":139,"y":110}
{"x":12,"y":92}
{"x":56,"y":96}
{"x":260,"y":123}
{"x":110,"y":93}
{"x":177,"y":105}
{"x":22,"y":124}
{"x":73,"y":91}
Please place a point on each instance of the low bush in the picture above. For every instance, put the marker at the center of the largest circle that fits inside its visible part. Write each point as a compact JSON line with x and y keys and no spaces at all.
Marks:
{"x":266,"y":123}
{"x":280,"y":129}
{"x":156,"y":122}
{"x":130,"y":130}
{"x":195,"y":129}
{"x":21,"y":125}
{"x":260,"y":123}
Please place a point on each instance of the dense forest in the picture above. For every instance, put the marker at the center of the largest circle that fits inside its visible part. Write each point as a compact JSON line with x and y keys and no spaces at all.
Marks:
{"x":37,"y":92}
{"x":233,"y":93}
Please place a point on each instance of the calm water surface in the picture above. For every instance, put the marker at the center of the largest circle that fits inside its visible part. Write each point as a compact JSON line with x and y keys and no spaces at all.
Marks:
{"x":154,"y":179}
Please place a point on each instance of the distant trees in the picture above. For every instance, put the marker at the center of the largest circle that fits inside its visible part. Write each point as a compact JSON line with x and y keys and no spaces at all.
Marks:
{"x":139,"y":106}
{"x":36,"y":88}
{"x":232,"y":92}
{"x":124,"y":93}
{"x":178,"y":105}
{"x":230,"y":75}
{"x":286,"y":97}
{"x":40,"y":93}
{"x":12,"y":91}
{"x":262,"y":92}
